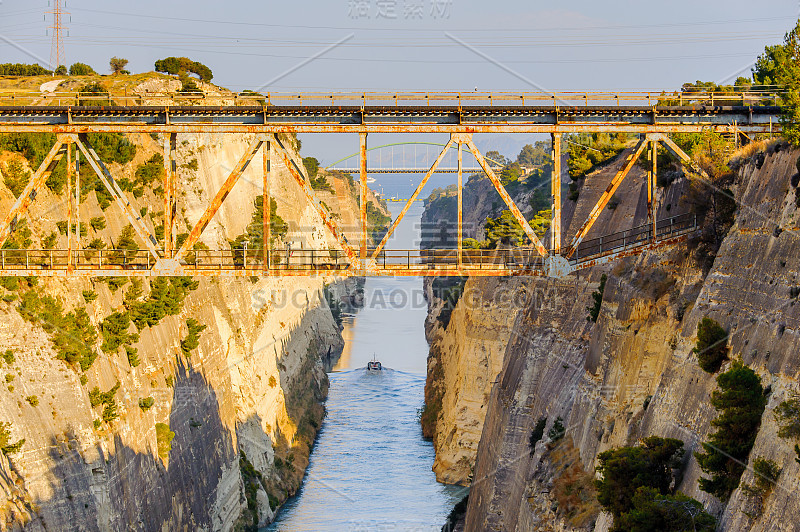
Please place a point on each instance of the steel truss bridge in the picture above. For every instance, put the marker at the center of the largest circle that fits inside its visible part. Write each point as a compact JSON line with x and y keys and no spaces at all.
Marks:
{"x":459,"y":115}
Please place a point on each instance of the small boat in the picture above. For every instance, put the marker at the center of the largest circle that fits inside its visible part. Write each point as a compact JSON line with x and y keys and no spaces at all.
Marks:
{"x":374,"y":365}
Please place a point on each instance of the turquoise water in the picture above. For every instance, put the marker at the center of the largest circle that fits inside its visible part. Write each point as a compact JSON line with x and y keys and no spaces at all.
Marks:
{"x":370,"y":469}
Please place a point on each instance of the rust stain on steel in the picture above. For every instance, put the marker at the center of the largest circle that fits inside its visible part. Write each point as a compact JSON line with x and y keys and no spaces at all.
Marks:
{"x":311,"y":197}
{"x":125,"y":206}
{"x":170,"y":141}
{"x":413,"y":198}
{"x":555,"y":225}
{"x":507,"y":199}
{"x":631,"y":252}
{"x":603,"y":201}
{"x":29,"y":193}
{"x":362,"y":141}
{"x":216,"y":203}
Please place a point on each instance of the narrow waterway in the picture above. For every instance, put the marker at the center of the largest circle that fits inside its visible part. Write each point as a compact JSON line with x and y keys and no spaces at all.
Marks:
{"x":371,"y":469}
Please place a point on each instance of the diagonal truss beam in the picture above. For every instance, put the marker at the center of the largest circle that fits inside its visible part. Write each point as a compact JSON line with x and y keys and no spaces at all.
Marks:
{"x":102,"y":172}
{"x":467,"y":139}
{"x":27,"y":196}
{"x":408,"y":204}
{"x":216,"y":203}
{"x":603,"y":201}
{"x":299,"y":176}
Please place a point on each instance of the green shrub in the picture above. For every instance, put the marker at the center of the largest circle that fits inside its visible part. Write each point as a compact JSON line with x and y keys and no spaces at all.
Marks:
{"x":740,"y":401}
{"x":597,"y":296}
{"x":84,"y":380}
{"x":21,"y":69}
{"x":5,"y":443}
{"x":787,"y":414}
{"x":165,"y":299}
{"x":16,"y":177}
{"x":72,"y":333}
{"x":9,"y":283}
{"x":255,"y":231}
{"x":146,"y":403}
{"x":89,"y":295}
{"x":557,"y":431}
{"x":115,"y":332}
{"x":178,"y":65}
{"x":133,"y":356}
{"x":9,"y":357}
{"x":589,"y":150}
{"x":164,"y":437}
{"x":192,"y":340}
{"x":49,"y":242}
{"x":32,"y":400}
{"x":9,"y":377}
{"x":626,"y":469}
{"x":97,"y":423}
{"x":81,"y":69}
{"x":112,"y":147}
{"x":97,"y":398}
{"x":652,"y":511}
{"x":98,"y":223}
{"x":504,"y":229}
{"x":152,"y":170}
{"x":712,"y":345}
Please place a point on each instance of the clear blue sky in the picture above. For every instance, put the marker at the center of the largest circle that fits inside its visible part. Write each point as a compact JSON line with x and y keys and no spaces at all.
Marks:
{"x":403,"y":44}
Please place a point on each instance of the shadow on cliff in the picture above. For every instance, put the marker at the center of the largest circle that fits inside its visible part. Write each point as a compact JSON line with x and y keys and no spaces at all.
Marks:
{"x":124,"y":489}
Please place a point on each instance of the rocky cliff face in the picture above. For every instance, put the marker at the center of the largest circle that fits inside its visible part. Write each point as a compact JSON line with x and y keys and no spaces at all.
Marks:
{"x":632,"y":374}
{"x":249,"y":395}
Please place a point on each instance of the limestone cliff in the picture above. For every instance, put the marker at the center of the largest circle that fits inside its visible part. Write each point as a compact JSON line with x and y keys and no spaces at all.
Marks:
{"x":242,"y":408}
{"x":632,"y":373}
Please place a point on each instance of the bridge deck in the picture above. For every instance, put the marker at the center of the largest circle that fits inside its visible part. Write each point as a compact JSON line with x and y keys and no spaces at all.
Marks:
{"x":410,"y":119}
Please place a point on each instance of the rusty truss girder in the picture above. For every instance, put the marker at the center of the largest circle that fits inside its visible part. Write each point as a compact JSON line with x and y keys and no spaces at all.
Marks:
{"x":554,"y":259}
{"x":391,"y":119}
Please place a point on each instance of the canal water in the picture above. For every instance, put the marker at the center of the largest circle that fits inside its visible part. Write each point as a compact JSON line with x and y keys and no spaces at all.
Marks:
{"x":370,"y":468}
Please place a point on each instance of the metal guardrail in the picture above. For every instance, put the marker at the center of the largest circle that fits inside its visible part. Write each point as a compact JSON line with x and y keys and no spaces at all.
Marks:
{"x":632,"y":238}
{"x":206,"y":262}
{"x":396,"y":99}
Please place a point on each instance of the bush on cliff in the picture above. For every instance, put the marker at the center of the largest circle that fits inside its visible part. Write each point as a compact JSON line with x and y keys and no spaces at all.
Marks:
{"x":740,"y":401}
{"x":5,"y":440}
{"x":626,"y":469}
{"x":597,"y":296}
{"x":712,"y":345}
{"x":652,"y":511}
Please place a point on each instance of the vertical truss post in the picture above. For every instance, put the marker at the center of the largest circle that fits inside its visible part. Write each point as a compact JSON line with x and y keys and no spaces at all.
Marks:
{"x":555,"y":187}
{"x":31,"y":190}
{"x":460,"y":207}
{"x":363,"y":160}
{"x":70,"y":206}
{"x":170,"y":140}
{"x":266,"y":203}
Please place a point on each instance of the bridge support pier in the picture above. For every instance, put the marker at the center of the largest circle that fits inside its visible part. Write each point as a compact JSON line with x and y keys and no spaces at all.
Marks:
{"x":460,"y":206}
{"x":70,"y":206}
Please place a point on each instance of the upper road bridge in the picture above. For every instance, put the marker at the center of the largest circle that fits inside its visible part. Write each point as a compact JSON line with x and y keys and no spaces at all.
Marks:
{"x":651,"y":115}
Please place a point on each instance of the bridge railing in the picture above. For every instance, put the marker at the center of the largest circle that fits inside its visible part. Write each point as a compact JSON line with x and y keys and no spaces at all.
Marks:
{"x":634,"y":237}
{"x":394,"y":99}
